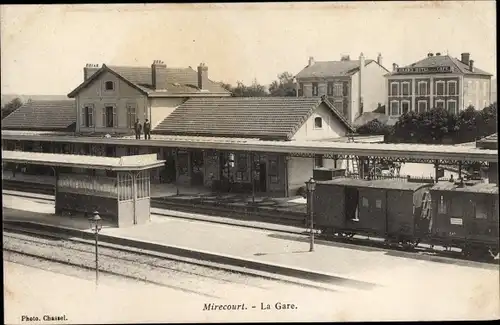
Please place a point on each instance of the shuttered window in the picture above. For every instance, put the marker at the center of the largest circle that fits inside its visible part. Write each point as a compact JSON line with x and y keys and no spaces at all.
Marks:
{"x":109,"y":119}
{"x":131,"y":115}
{"x":87,"y":118}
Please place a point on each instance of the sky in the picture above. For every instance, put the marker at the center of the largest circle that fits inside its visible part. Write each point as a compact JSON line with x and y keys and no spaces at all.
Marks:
{"x":45,"y":47}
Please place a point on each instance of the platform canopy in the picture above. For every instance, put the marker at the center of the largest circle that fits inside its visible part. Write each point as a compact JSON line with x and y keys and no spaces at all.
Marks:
{"x":135,"y":162}
{"x":407,"y":151}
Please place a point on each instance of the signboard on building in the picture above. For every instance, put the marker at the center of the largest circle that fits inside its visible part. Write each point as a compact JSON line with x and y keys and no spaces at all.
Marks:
{"x":424,"y":70}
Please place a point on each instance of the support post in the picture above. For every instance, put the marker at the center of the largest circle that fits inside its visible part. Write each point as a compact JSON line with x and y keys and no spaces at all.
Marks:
{"x":252,"y":178}
{"x":177,"y":170}
{"x":335,"y":161}
{"x":96,"y":258}
{"x":311,"y":212}
{"x":134,"y":195}
{"x":436,"y":170}
{"x":460,"y":170}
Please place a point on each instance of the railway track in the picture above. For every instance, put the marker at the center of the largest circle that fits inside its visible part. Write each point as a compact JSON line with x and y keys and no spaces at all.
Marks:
{"x":423,"y":250}
{"x":184,"y":274}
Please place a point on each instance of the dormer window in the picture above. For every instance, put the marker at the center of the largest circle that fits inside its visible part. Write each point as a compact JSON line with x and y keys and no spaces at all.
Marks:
{"x":318,"y":123}
{"x":109,"y":86}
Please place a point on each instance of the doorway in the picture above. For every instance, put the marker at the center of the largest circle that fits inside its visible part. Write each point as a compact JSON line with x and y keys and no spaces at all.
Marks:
{"x":351,"y":203}
{"x":262,"y":177}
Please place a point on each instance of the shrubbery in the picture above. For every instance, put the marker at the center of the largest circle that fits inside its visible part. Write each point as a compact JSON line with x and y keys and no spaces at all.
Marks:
{"x":436,"y":125}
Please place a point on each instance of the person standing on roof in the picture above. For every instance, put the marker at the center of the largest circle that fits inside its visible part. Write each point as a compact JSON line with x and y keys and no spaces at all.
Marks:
{"x":137,"y":129}
{"x":147,"y":130}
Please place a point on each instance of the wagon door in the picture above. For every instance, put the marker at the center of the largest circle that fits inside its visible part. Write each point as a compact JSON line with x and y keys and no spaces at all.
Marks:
{"x":399,"y":213}
{"x":482,"y":224}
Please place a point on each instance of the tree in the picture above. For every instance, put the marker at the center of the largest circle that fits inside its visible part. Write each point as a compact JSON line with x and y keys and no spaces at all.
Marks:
{"x":11,"y":106}
{"x":284,"y":86}
{"x":241,"y":90}
{"x":374,"y":127}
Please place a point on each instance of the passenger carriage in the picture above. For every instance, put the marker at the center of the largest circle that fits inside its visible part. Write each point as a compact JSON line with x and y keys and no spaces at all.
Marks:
{"x":465,"y":215}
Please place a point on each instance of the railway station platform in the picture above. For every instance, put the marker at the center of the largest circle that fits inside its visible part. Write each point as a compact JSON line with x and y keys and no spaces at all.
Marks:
{"x":199,"y":196}
{"x":346,"y":262}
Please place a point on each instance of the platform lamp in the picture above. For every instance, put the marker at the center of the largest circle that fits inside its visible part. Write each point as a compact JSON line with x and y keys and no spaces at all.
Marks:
{"x":96,"y":226}
{"x":311,"y":186}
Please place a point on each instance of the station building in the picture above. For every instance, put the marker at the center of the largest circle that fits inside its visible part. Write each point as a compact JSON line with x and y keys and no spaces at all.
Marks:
{"x":437,"y":81}
{"x":187,"y":106}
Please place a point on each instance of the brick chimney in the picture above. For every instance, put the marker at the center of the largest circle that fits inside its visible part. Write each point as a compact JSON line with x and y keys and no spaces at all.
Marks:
{"x":471,"y":65}
{"x":465,"y":58}
{"x":361,"y":80}
{"x":89,"y":70}
{"x":394,"y":67}
{"x":159,"y":75}
{"x":345,"y":58}
{"x":311,"y":61}
{"x":202,"y":76}
{"x":379,"y":59}
{"x":430,"y":55}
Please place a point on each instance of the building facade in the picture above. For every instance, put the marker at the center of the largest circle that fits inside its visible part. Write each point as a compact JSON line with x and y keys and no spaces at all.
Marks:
{"x":112,"y":98}
{"x":352,"y":86}
{"x":438,"y":81}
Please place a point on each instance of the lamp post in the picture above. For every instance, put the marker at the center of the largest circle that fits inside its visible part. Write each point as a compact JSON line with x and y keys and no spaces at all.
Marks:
{"x":311,"y":186}
{"x":96,"y":226}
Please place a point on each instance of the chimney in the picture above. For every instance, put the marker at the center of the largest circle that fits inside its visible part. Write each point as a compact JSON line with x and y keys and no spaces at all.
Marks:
{"x":345,"y":58}
{"x":438,"y":54}
{"x":465,"y":58}
{"x":379,"y":59}
{"x":471,"y":65}
{"x":89,"y":70}
{"x":159,"y":75}
{"x":429,"y":55}
{"x":202,"y":76}
{"x":394,"y":67}
{"x":361,"y":79}
{"x":311,"y":61}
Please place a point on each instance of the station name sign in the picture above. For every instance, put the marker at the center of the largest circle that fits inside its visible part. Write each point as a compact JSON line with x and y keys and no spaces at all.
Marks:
{"x":424,"y":70}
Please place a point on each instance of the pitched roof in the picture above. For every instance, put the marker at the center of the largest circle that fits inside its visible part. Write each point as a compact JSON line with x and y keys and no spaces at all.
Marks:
{"x":390,"y":184}
{"x":456,"y":65}
{"x":42,"y":115}
{"x":244,"y":117}
{"x":324,"y":69}
{"x":180,"y":81}
{"x":370,"y":116}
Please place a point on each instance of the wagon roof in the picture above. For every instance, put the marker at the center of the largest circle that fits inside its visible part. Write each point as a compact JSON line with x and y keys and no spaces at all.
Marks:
{"x":376,"y":184}
{"x":486,"y":188}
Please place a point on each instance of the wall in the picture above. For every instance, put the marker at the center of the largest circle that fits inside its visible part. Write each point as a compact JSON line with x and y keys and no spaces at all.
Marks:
{"x":161,"y":108}
{"x":374,"y":87}
{"x":477,"y":91}
{"x":125,"y":213}
{"x":331,"y":127}
{"x":300,"y":170}
{"x":122,"y":95}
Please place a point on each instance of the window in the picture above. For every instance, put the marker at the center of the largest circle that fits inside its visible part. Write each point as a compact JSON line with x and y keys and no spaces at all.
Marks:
{"x":315,"y":89}
{"x":318,"y":123}
{"x":480,"y":208}
{"x":406,"y":88}
{"x":131,"y":115}
{"x":330,"y":89}
{"x":301,"y":89}
{"x":422,"y":88}
{"x":452,"y":107}
{"x":452,"y":88}
{"x":440,"y":88}
{"x":88,"y":116}
{"x":318,"y":161}
{"x":394,"y":89}
{"x":345,"y":89}
{"x":109,"y":85}
{"x":378,"y":204}
{"x":441,"y":205}
{"x":365,"y":202}
{"x":395,"y":108}
{"x":405,"y":106}
{"x":338,"y":89}
{"x":109,"y":117}
{"x":422,"y":106}
{"x":439,"y":103}
{"x":132,"y":151}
